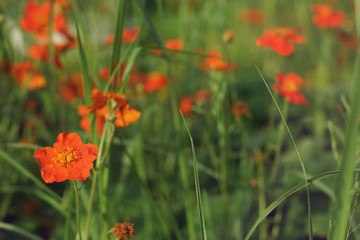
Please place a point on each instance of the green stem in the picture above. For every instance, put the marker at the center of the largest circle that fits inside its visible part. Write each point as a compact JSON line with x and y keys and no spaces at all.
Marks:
{"x":275,"y":167}
{"x":345,"y":179}
{"x":77,"y":206}
{"x":261,"y":197}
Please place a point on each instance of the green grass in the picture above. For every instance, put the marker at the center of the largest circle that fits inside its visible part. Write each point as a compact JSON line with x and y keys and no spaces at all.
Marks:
{"x":207,"y":175}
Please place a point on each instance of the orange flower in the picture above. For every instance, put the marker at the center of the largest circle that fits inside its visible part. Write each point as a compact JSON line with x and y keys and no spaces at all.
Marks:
{"x":41,"y":52}
{"x":171,"y":44}
{"x":288,"y":86}
{"x":188,"y":101}
{"x":123,"y":230}
{"x":214,"y":62}
{"x":228,"y":36}
{"x":135,"y":77}
{"x":73,"y":87}
{"x":280,"y":40}
{"x":155,"y":81}
{"x":129,"y":35}
{"x":252,"y":15}
{"x":185,"y":105}
{"x":325,"y":16}
{"x":36,"y":19}
{"x":125,"y":114}
{"x":69,"y":159}
{"x":25,"y":74}
{"x":239,"y":109}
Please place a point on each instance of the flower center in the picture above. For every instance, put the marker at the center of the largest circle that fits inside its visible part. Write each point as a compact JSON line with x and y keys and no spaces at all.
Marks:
{"x":65,"y":156}
{"x":290,"y":86}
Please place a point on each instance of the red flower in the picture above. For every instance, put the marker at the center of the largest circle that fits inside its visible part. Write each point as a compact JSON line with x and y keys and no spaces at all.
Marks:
{"x":171,"y":44}
{"x":239,"y":109}
{"x":186,"y":104}
{"x":155,"y":81}
{"x":280,"y":40}
{"x":214,"y":62}
{"x":36,"y":19}
{"x":325,"y":16}
{"x":26,"y":75}
{"x":288,"y":86}
{"x":73,"y":88}
{"x":69,"y":159}
{"x":129,"y":35}
{"x":252,"y":15}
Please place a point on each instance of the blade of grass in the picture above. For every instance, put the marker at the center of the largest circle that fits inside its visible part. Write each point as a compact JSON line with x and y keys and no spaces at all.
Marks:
{"x":28,"y":174}
{"x":284,"y":196}
{"x":83,"y":62}
{"x":120,"y":16}
{"x":197,"y":183}
{"x":345,"y":180}
{"x":128,"y":68}
{"x":18,"y":230}
{"x":297,"y":152}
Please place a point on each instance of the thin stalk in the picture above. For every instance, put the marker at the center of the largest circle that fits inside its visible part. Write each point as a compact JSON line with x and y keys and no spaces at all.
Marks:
{"x":98,"y":164}
{"x":275,"y":167}
{"x":261,"y":197}
{"x":345,"y":179}
{"x":297,"y":153}
{"x":120,"y":16}
{"x":77,"y":208}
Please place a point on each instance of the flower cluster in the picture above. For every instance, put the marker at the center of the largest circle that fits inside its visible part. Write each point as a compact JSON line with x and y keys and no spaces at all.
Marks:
{"x":280,"y":40}
{"x":197,"y":99}
{"x":325,"y":16}
{"x":214,"y":61}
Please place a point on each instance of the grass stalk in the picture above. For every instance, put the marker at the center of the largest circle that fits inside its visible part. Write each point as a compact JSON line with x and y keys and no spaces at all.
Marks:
{"x":197,"y":183}
{"x":275,"y":167}
{"x":345,"y":179}
{"x":120,"y":16}
{"x":77,"y":208}
{"x":297,"y":152}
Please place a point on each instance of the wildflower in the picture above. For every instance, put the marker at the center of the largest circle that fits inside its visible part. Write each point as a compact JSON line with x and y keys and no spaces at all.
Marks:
{"x":36,"y":19}
{"x":185,"y":105}
{"x":171,"y":44}
{"x":73,"y":87}
{"x":252,"y":15}
{"x":280,"y":40}
{"x":325,"y":16}
{"x":239,"y":109}
{"x":123,"y":230}
{"x":25,"y":74}
{"x":135,"y":77}
{"x":198,"y":99}
{"x":288,"y":86}
{"x":154,"y":81}
{"x":214,"y":62}
{"x":227,"y":36}
{"x":68,"y":159}
{"x":124,"y":114}
{"x":129,"y":35}
{"x":41,"y":52}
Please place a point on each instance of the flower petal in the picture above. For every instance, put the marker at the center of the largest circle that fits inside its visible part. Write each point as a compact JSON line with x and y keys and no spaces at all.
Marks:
{"x":44,"y":156}
{"x":53,"y":173}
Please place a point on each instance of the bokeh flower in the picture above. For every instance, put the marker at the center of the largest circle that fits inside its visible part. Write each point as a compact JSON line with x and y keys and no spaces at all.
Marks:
{"x":25,"y":74}
{"x":288,"y":86}
{"x":123,"y":230}
{"x":325,"y":16}
{"x":280,"y":40}
{"x":214,"y":61}
{"x":227,"y":36}
{"x":155,"y":81}
{"x":239,"y":108}
{"x":36,"y":19}
{"x":68,"y":159}
{"x":252,"y":15}
{"x":129,"y":35}
{"x":171,"y":44}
